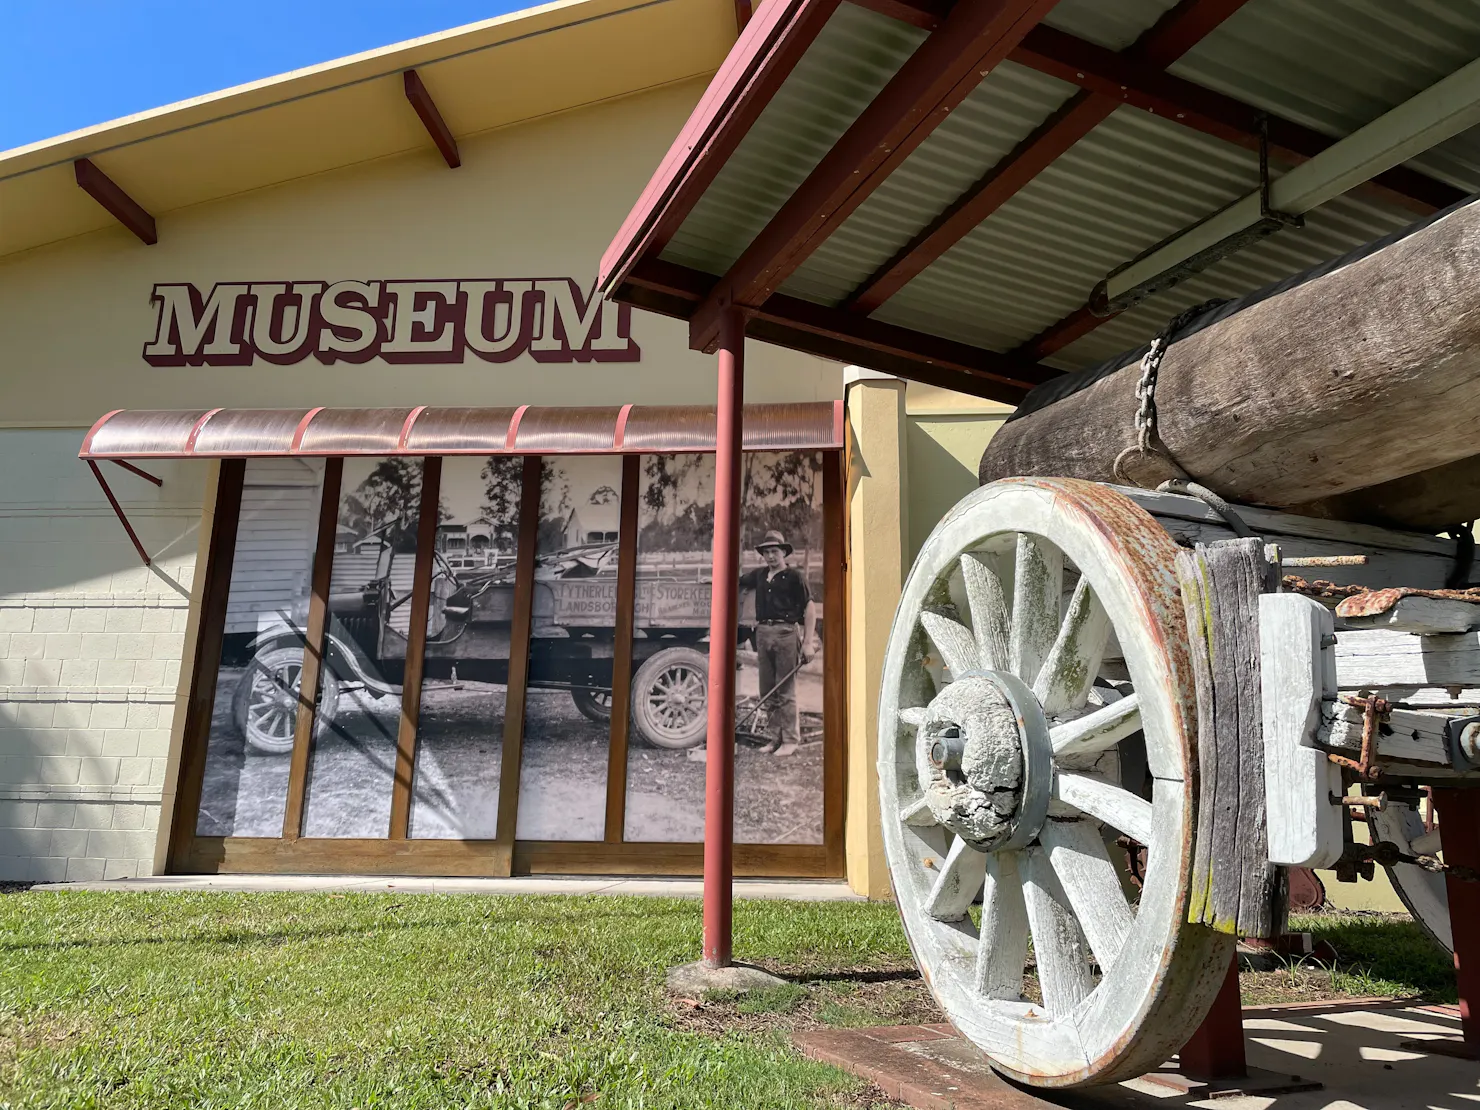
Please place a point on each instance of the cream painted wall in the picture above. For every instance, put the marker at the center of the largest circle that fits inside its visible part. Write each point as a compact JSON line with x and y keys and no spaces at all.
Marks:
{"x":538,"y":200}
{"x":91,"y":642}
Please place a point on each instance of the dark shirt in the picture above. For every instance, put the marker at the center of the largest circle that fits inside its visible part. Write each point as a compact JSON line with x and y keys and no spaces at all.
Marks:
{"x":783,"y":598}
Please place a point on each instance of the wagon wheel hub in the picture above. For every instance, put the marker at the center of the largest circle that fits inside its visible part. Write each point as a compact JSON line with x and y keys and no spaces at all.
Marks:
{"x":974,"y":754}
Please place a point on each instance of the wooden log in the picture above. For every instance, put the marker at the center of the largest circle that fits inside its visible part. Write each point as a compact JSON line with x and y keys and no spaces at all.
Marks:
{"x":1359,"y":377}
{"x":1235,"y":888}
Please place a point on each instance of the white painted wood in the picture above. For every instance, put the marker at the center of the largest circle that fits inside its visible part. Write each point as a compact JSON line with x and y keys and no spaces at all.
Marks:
{"x":957,"y":883}
{"x":1037,"y":583}
{"x":1074,"y":660}
{"x":1114,"y":805}
{"x":990,"y":613}
{"x":1003,"y":952}
{"x":1091,"y":883}
{"x":1429,"y":844}
{"x":1094,"y":732}
{"x":1380,"y":658}
{"x":1425,"y":616}
{"x":1304,"y":828}
{"x":1423,"y":892}
{"x":1064,"y":973}
{"x":918,"y":814}
{"x":915,"y":716}
{"x":954,"y":641}
{"x":1412,"y":736}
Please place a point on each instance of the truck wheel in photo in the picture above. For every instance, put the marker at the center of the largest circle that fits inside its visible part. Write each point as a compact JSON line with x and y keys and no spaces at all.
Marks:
{"x":595,"y":705}
{"x":669,"y":693}
{"x":265,"y":702}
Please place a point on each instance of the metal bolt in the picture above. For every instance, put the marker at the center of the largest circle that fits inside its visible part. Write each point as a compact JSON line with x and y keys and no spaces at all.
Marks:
{"x":947,"y":749}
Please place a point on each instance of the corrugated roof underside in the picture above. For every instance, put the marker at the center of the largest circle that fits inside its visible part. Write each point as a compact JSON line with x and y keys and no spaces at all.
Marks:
{"x":850,"y":62}
{"x":1336,"y":65}
{"x":1114,"y":26}
{"x":1000,"y":112}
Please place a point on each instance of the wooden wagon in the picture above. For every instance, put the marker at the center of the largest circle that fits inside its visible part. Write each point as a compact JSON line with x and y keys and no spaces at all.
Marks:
{"x":1199,"y":622}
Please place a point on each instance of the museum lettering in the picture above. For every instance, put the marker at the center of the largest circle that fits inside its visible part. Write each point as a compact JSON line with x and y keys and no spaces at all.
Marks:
{"x":431,"y":321}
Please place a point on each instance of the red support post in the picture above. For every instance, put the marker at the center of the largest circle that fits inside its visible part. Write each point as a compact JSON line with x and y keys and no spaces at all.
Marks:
{"x":719,"y":774}
{"x":1459,"y":820}
{"x":1216,"y":1050}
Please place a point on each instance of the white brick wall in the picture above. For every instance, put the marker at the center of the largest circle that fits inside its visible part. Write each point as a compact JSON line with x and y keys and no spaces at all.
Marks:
{"x":90,"y":657}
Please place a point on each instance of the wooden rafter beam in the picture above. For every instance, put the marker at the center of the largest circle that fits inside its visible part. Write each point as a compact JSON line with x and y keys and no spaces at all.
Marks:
{"x":675,"y":290}
{"x":431,"y":118}
{"x":1118,"y":77}
{"x":1172,"y":36}
{"x":122,"y":207}
{"x":973,"y":39}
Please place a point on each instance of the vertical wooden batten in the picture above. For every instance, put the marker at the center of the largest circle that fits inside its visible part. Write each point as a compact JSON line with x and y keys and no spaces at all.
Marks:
{"x":313,"y":650}
{"x":834,"y":661}
{"x":416,"y":641}
{"x":207,"y":663}
{"x":508,"y":787}
{"x":616,"y":768}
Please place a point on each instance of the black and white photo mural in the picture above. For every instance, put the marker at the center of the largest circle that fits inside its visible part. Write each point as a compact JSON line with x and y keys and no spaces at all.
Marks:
{"x":779,"y":689}
{"x":460,"y":730}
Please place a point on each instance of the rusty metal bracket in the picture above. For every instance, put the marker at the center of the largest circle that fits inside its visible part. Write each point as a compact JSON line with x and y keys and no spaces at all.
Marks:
{"x":1375,"y":712}
{"x":118,"y":509}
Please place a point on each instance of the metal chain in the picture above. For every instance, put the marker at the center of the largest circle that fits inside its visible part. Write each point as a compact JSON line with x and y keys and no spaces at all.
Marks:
{"x":1147,"y":439}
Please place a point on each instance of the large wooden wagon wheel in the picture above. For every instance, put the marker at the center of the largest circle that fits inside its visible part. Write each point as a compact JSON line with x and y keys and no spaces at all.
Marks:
{"x":1039,"y":637}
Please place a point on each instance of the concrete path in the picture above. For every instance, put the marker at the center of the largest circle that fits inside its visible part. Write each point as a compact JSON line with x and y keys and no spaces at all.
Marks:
{"x":798,"y":891}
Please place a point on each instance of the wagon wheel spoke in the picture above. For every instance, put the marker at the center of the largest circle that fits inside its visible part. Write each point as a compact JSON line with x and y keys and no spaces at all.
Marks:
{"x":917,"y":814}
{"x":915,"y":716}
{"x":1114,"y":805}
{"x":1002,"y":951}
{"x":1058,"y":945}
{"x":954,"y":641}
{"x":1074,"y":660}
{"x":1037,"y":583}
{"x":1088,"y":878}
{"x":989,"y":613}
{"x":1094,"y":732}
{"x":960,"y":877}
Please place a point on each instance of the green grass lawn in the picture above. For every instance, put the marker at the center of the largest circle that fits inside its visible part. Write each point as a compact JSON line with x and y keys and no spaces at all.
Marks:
{"x":378,"y":1000}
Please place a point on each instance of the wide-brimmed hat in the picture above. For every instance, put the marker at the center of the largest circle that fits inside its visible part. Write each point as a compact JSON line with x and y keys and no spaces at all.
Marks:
{"x":774,"y":539}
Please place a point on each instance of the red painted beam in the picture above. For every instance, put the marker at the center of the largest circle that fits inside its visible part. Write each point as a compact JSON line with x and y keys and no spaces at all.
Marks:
{"x":1459,"y":818}
{"x":1216,"y":1048}
{"x":1174,"y":34}
{"x":840,"y":334}
{"x":1057,"y":336}
{"x":122,"y":207}
{"x":1129,"y":81}
{"x":973,"y":39}
{"x":431,"y":119}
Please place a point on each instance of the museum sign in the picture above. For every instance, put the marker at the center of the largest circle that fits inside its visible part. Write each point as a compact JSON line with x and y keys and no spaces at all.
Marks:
{"x":422,"y":321}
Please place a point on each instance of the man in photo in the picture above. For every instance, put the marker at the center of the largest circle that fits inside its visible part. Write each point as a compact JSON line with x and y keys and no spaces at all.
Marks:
{"x":785,"y":638}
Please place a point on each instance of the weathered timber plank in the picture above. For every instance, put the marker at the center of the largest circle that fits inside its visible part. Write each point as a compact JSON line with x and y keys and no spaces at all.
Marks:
{"x":1296,"y":673}
{"x":1235,"y":887}
{"x":1425,"y":616}
{"x":1394,"y":558}
{"x":1379,"y":658}
{"x":1409,"y":736}
{"x":1396,"y":334}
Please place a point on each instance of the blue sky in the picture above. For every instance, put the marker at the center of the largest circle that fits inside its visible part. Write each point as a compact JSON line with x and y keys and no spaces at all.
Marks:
{"x":66,"y":64}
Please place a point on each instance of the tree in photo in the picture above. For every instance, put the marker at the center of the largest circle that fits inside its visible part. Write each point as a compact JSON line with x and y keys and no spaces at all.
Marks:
{"x":387,"y":503}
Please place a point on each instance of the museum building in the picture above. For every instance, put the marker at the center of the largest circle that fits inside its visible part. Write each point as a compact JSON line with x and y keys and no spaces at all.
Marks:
{"x":308,"y":387}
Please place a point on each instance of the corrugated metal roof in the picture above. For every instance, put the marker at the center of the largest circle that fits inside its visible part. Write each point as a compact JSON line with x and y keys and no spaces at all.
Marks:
{"x":1331,"y":65}
{"x":1000,"y":112}
{"x":852,"y":59}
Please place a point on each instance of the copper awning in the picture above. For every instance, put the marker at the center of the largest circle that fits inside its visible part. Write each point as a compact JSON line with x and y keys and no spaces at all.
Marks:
{"x":525,"y":430}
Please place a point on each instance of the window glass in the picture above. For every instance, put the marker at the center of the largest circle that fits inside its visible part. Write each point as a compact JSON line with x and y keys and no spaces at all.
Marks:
{"x":245,"y":786}
{"x":567,"y":707}
{"x":359,"y":707}
{"x":460,"y":733}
